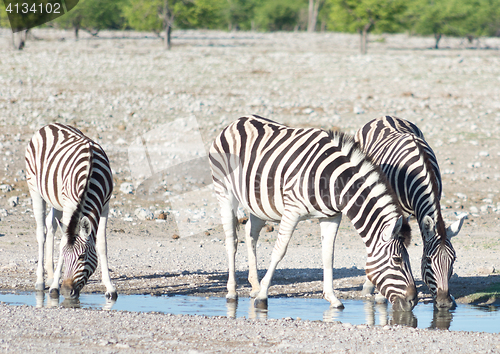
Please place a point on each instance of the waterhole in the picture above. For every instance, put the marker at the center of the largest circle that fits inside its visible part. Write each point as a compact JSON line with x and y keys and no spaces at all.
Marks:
{"x":356,"y":312}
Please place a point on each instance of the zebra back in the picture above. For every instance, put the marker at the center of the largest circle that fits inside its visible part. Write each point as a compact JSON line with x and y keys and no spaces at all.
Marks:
{"x":399,"y":148}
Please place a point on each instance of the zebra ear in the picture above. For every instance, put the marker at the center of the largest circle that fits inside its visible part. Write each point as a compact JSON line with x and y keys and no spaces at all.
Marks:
{"x":392,"y":230}
{"x":454,"y":228}
{"x":85,"y":228}
{"x":427,"y":227}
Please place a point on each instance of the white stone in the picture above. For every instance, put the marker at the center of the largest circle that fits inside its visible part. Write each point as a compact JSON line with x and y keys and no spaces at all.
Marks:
{"x":127,"y":188}
{"x":13,"y":201}
{"x":144,"y":214}
{"x":483,"y":153}
{"x":5,"y":187}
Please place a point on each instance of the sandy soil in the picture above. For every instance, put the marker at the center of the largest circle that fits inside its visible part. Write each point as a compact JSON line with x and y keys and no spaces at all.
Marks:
{"x":131,"y":96}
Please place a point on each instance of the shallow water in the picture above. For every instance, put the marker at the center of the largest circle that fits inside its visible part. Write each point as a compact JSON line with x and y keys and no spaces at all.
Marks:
{"x":463,"y":318}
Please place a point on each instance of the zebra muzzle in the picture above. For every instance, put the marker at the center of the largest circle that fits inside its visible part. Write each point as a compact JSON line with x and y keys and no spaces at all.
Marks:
{"x":68,"y":290}
{"x":408,"y":302}
{"x":444,"y":300}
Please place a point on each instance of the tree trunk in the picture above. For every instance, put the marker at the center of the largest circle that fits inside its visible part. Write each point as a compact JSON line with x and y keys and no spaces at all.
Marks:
{"x":77,"y":28}
{"x":19,"y":40}
{"x":168,"y":21}
{"x":437,"y":36}
{"x":168,"y":31}
{"x":364,"y":38}
{"x":314,"y":7}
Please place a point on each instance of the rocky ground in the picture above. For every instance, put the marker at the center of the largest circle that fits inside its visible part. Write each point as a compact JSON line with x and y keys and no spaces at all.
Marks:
{"x":155,"y":112}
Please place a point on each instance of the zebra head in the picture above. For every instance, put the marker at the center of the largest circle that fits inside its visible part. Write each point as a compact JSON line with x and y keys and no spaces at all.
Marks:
{"x":438,"y":259}
{"x":80,"y":259}
{"x":388,"y":266}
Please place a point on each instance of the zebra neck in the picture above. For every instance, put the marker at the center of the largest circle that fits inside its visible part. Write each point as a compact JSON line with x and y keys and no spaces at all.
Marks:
{"x":370,"y":209}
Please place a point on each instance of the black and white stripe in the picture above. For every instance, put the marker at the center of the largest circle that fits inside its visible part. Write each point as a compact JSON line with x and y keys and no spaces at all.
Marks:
{"x":71,"y":173}
{"x":285,"y":174}
{"x":399,"y":148}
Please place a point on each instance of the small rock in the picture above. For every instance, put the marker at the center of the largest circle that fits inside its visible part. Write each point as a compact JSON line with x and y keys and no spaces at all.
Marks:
{"x":358,"y":110}
{"x":243,"y":220}
{"x":483,"y":153}
{"x":175,"y":236}
{"x":162,"y":216}
{"x":5,"y":187}
{"x":120,"y":141}
{"x":269,"y":228}
{"x":474,"y":210}
{"x":144,"y":214}
{"x":207,"y":233}
{"x":13,"y":201}
{"x":127,"y":188}
{"x":3,"y":212}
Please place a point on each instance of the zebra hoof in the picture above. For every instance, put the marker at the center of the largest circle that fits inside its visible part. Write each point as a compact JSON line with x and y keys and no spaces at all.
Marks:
{"x":337,"y":305}
{"x":380,"y":299}
{"x":40,"y":286}
{"x":231,"y":300}
{"x":112,"y":296}
{"x":54,"y":293}
{"x":260,"y":304}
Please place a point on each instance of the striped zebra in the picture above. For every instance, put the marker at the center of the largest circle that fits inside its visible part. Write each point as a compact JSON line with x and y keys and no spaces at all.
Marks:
{"x":284,"y":174}
{"x":399,"y":148}
{"x":71,"y":173}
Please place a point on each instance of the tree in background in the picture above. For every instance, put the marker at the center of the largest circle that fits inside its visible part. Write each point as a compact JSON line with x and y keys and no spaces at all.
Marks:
{"x":93,"y":16}
{"x":365,"y":16}
{"x":483,"y":20}
{"x":240,"y":14}
{"x":279,"y":15}
{"x":314,"y":8}
{"x":438,"y":17}
{"x":207,"y":14}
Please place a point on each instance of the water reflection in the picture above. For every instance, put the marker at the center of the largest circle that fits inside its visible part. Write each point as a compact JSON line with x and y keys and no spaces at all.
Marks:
{"x":356,"y":312}
{"x":404,"y":318}
{"x":53,"y":301}
{"x":441,"y":319}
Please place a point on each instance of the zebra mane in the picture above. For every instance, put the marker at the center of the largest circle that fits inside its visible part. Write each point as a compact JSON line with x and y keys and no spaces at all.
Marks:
{"x":440,"y":226}
{"x":353,"y":150}
{"x":75,"y":217}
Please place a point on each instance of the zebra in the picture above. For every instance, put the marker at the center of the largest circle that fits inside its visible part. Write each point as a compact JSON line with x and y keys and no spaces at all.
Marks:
{"x":399,"y":148}
{"x":71,"y":173}
{"x":278,"y":173}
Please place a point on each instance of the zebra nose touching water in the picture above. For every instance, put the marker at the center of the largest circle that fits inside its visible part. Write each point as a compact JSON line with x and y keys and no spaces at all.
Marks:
{"x":278,"y":173}
{"x":71,"y":173}
{"x":399,"y":148}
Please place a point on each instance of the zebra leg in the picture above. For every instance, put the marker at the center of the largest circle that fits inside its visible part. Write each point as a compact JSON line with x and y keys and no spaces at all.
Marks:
{"x":229,"y":222}
{"x":54,"y":287}
{"x":52,"y":223}
{"x":39,"y":207}
{"x":252,"y":230}
{"x":368,"y":288}
{"x":329,"y":228}
{"x":288,"y":222}
{"x":102,"y":250}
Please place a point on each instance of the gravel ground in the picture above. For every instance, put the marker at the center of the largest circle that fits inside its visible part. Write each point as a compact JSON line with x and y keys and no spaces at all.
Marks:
{"x":138,"y":101}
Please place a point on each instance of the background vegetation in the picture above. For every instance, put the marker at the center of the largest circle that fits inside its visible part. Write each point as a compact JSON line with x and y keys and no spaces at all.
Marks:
{"x":467,"y":18}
